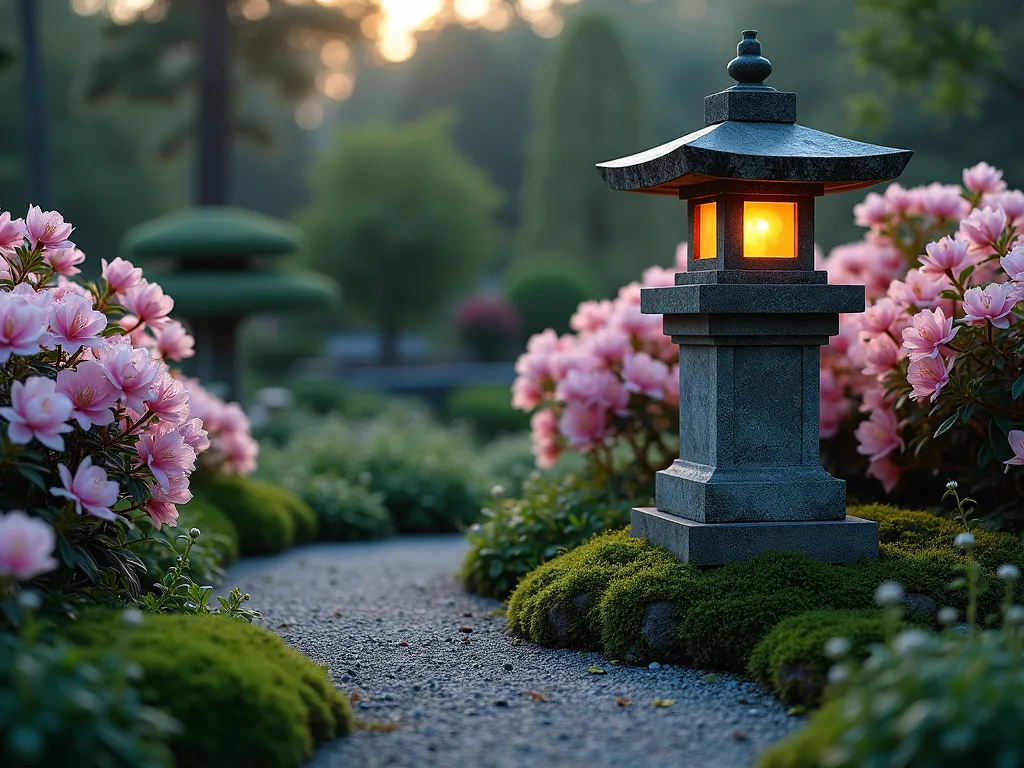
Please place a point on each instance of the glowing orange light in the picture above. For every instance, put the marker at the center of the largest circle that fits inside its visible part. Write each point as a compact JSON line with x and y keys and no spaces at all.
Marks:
{"x":769,"y":230}
{"x":705,"y":238}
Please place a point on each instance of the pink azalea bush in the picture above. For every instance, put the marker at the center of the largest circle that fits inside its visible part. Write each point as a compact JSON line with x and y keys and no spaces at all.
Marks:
{"x":929,"y":379}
{"x":610,"y":389}
{"x":99,"y":434}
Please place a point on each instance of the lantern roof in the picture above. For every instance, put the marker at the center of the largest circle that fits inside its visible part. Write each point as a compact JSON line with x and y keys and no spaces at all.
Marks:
{"x":751,"y":134}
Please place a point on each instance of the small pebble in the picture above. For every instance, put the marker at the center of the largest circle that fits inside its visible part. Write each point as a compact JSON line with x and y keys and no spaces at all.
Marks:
{"x":654,"y":666}
{"x":507,"y":666}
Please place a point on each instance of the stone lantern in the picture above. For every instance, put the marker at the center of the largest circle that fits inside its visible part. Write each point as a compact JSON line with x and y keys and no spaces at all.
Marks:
{"x":750,"y":315}
{"x":217,"y":263}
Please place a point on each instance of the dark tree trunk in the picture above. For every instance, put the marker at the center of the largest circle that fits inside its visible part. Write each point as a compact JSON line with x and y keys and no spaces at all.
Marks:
{"x":213,"y":170}
{"x":35,"y":106}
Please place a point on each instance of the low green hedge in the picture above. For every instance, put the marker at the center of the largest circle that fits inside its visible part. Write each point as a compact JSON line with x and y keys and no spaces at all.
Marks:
{"x":242,"y":696}
{"x":488,"y":409}
{"x":617,"y":594}
{"x":269,"y":519}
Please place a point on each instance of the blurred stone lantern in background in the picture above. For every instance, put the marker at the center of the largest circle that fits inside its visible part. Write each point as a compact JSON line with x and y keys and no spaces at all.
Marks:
{"x":749,"y":316}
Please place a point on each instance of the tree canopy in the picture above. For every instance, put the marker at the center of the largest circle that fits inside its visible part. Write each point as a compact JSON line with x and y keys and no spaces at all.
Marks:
{"x":401,"y":220}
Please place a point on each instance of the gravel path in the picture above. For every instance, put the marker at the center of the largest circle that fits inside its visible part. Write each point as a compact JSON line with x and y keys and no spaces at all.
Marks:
{"x":390,"y":620}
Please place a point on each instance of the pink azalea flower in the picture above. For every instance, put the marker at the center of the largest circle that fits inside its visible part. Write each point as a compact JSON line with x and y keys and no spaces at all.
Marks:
{"x":928,"y":376}
{"x":147,"y":302}
{"x":166,"y":454}
{"x":887,"y":472}
{"x":173,"y":342}
{"x":899,"y":200}
{"x":169,"y":400}
{"x":573,"y":360}
{"x":880,"y":316}
{"x":591,"y":315}
{"x":931,"y":330}
{"x":610,"y":344}
{"x":63,"y":260}
{"x":544,"y":436}
{"x":1016,"y":440}
{"x":75,"y":324}
{"x":881,"y":355}
{"x":238,"y":452}
{"x":131,"y":372}
{"x":991,"y":304}
{"x":89,"y":489}
{"x":162,"y":505}
{"x":526,"y":394}
{"x":22,"y":326}
{"x":584,"y":426}
{"x":136,"y":333}
{"x":26,"y":546}
{"x":1011,"y":202}
{"x":943,"y":201}
{"x":92,"y":396}
{"x":194,"y":435}
{"x":658,"y":277}
{"x":983,"y":178}
{"x":681,"y":251}
{"x":918,"y":290}
{"x":945,"y":256}
{"x":12,"y":234}
{"x":1013,"y":264}
{"x":645,"y":375}
{"x":878,"y":436}
{"x":594,"y":387}
{"x":629,"y":294}
{"x":120,"y":274}
{"x":983,"y":227}
{"x":38,"y":411}
{"x":46,"y":228}
{"x":67,"y":287}
{"x":672,"y":386}
{"x":873,"y":212}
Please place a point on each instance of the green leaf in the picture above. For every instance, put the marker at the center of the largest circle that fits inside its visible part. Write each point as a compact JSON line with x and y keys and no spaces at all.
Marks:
{"x":1018,"y":387}
{"x":946,"y":425}
{"x":984,"y":454}
{"x":596,"y":671}
{"x":1003,"y":423}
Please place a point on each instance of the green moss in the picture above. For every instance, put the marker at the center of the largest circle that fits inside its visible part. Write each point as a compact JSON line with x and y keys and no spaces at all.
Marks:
{"x":265,"y":525}
{"x":217,"y":529}
{"x":243,"y":696}
{"x":597,"y":595}
{"x":791,"y":660}
{"x":804,"y":749}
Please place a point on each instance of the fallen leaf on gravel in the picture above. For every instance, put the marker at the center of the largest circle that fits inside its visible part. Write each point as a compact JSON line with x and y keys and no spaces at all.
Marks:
{"x":403,"y":644}
{"x":465,"y":628}
{"x":614,"y":661}
{"x":376,"y":725}
{"x":517,"y":641}
{"x":621,"y":701}
{"x":338,"y":612}
{"x":738,"y":736}
{"x":465,"y":640}
{"x":358,"y":695}
{"x":283,"y":625}
{"x":663,"y":702}
{"x":799,"y":709}
{"x":596,"y":671}
{"x":711,"y":678}
{"x":535,"y":695}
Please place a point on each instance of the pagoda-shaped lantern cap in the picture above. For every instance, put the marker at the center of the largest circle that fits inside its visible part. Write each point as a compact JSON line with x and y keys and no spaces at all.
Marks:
{"x":749,"y":315}
{"x":751,"y":174}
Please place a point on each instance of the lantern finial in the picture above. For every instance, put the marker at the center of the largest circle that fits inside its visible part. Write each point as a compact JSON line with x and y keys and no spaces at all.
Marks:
{"x":750,"y":69}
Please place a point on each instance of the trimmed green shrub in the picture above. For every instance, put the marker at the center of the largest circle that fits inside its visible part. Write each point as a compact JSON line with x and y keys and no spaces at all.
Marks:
{"x":347,"y":511}
{"x":926,"y":701}
{"x":517,"y":535}
{"x":508,"y":462}
{"x":488,"y":410}
{"x":242,"y":696}
{"x":426,"y":474}
{"x":545,"y":295}
{"x":599,"y":595}
{"x":791,"y":659}
{"x":62,"y":707}
{"x":264,"y":525}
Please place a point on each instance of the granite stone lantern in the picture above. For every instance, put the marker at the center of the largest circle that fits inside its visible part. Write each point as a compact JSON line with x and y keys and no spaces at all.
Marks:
{"x":750,"y":315}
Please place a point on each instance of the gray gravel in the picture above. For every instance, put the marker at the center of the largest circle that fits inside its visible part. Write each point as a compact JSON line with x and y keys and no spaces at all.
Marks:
{"x":388,"y":618}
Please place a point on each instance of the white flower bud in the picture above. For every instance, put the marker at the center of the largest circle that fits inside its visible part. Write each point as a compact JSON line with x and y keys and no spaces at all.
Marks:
{"x":948,"y":616}
{"x":889,"y":593}
{"x":1008,"y":572}
{"x":837,"y":648}
{"x":951,"y":485}
{"x":498,"y":491}
{"x":910,"y":640}
{"x":838,"y":675}
{"x":132,"y":617}
{"x":194,"y":533}
{"x":964,"y":541}
{"x":1015,"y":614}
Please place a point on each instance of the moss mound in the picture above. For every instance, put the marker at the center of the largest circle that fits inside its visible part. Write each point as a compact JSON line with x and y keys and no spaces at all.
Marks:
{"x":269,"y":519}
{"x":791,"y":659}
{"x":637,"y":603}
{"x":805,"y":748}
{"x":243,"y":696}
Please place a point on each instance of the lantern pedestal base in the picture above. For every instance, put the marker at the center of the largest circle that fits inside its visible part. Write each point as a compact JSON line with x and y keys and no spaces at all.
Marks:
{"x":831,"y":541}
